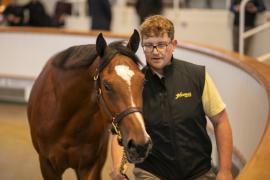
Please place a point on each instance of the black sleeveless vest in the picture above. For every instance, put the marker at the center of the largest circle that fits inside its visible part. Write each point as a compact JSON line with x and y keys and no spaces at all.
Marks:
{"x":175,"y":120}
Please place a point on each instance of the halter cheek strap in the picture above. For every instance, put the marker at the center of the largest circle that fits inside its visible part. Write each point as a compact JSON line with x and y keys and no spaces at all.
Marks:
{"x":116,"y":120}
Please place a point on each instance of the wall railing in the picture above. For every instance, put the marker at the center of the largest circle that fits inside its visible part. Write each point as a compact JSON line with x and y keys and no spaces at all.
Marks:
{"x":242,"y":34}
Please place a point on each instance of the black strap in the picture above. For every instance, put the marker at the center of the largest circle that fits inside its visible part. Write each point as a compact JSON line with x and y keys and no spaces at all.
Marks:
{"x":120,"y":116}
{"x":128,"y":111}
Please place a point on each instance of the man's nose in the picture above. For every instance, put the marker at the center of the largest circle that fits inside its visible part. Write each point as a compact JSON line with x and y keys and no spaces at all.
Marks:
{"x":155,"y":50}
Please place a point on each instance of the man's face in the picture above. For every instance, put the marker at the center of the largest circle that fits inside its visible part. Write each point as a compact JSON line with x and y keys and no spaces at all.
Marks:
{"x":158,"y":51}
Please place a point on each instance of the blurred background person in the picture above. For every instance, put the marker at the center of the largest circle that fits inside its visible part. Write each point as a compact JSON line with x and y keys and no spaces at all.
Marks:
{"x":101,"y":14}
{"x":252,"y":8}
{"x":61,"y":10}
{"x":13,"y":14}
{"x":37,"y":14}
{"x":145,"y":8}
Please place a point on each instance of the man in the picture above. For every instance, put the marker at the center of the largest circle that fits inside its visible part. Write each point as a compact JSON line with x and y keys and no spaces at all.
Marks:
{"x":38,"y":17}
{"x":61,"y":10}
{"x":252,"y":8}
{"x":177,"y":96}
{"x":13,"y":14}
{"x":145,"y":8}
{"x":101,"y":14}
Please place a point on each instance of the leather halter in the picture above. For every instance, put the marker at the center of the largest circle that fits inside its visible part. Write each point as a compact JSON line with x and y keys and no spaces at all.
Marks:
{"x":116,"y":118}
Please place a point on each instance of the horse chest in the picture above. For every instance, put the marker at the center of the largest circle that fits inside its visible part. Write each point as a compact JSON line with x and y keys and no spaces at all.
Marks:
{"x":81,"y":153}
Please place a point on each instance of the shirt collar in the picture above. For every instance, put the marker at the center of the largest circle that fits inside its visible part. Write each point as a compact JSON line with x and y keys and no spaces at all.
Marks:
{"x":167,"y":69}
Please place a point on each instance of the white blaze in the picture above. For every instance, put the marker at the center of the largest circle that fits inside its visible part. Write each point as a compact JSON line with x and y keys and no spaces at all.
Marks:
{"x":126,"y":74}
{"x":140,"y":117}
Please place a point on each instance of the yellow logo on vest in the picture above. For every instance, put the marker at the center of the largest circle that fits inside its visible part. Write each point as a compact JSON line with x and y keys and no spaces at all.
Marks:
{"x":183,"y":95}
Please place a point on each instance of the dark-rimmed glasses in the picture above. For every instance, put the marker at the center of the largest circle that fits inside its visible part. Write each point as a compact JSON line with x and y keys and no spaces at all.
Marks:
{"x":160,"y":47}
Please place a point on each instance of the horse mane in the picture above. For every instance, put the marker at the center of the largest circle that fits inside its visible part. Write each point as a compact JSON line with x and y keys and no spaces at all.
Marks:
{"x":83,"y":56}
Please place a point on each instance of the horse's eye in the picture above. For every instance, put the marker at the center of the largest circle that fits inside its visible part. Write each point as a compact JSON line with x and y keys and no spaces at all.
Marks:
{"x":107,"y":86}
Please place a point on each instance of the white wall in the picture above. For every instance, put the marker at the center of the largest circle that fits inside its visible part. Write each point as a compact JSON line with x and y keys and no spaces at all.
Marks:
{"x":209,"y":27}
{"x":25,"y":54}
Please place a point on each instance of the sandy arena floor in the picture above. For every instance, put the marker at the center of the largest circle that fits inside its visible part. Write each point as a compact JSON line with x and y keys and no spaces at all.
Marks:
{"x":18,"y":159}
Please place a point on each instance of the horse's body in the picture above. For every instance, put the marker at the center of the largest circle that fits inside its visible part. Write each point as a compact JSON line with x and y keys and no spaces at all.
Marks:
{"x":69,"y":127}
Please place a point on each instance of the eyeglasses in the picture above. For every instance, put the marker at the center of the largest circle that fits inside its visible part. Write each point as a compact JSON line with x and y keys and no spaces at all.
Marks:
{"x":160,"y":47}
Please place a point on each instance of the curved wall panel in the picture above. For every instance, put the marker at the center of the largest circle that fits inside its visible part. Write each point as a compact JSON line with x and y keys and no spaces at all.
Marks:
{"x":245,"y":98}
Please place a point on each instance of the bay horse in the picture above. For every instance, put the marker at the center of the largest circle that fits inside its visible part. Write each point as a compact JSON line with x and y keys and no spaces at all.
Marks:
{"x":74,"y":100}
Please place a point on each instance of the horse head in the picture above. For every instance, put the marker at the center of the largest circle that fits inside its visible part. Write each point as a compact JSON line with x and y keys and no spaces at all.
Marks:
{"x":119,"y":85}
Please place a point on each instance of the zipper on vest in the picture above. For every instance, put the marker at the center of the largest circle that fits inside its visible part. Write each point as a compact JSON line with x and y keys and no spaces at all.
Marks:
{"x":171,"y":122}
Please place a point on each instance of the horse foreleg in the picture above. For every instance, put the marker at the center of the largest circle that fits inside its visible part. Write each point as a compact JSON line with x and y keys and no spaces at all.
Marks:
{"x":93,"y":172}
{"x":89,"y":174}
{"x":48,"y":172}
{"x":77,"y":175}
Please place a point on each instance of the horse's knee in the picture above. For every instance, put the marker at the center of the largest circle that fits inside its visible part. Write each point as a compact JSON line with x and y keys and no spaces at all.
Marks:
{"x":47,"y":170}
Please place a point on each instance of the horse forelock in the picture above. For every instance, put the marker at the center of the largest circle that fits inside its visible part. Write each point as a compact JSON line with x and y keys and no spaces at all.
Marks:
{"x":120,"y":46}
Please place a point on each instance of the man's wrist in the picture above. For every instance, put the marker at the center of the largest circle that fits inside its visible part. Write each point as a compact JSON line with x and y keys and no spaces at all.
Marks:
{"x":225,"y":169}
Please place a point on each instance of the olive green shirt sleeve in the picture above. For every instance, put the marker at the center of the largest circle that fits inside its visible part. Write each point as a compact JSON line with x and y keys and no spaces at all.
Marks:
{"x":212,"y":101}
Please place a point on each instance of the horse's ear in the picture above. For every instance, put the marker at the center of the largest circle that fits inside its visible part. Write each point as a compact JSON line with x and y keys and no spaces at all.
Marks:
{"x":100,"y":45}
{"x":134,"y":41}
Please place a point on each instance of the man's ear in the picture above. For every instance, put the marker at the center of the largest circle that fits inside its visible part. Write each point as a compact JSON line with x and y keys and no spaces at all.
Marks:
{"x":174,"y":43}
{"x":134,"y":41}
{"x":101,"y":45}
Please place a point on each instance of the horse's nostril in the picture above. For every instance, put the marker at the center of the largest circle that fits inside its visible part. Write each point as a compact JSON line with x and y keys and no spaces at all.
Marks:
{"x":140,"y":151}
{"x":131,"y":144}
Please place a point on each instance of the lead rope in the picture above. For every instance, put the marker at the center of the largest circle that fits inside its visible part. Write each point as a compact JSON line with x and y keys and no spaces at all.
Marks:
{"x":123,"y":162}
{"x":124,"y":157}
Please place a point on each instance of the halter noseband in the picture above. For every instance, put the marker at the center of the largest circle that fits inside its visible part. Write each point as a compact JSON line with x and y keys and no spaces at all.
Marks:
{"x":116,"y":118}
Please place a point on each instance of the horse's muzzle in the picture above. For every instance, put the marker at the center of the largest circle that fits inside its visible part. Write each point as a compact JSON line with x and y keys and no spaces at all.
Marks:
{"x":138,"y":153}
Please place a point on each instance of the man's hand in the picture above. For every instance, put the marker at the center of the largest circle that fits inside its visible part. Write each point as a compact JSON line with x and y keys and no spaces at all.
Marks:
{"x":224,"y":175}
{"x":116,"y":175}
